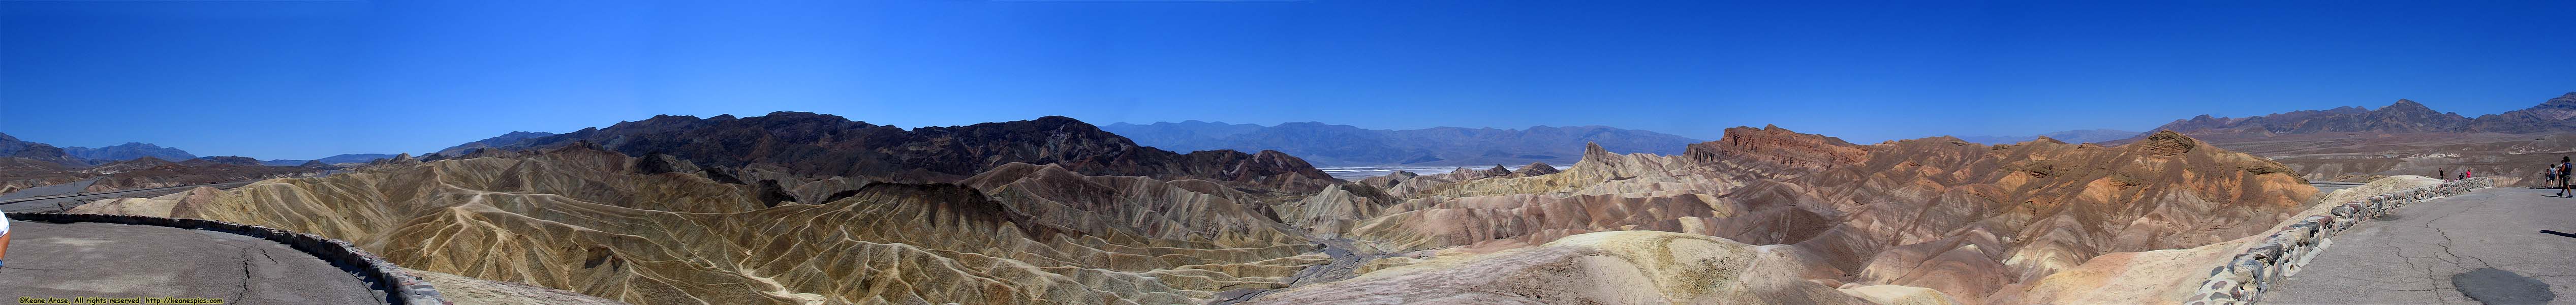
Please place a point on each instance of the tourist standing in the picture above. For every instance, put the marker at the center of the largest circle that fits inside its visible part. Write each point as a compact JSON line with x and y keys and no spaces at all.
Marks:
{"x":4,"y":235}
{"x":2565,"y":165}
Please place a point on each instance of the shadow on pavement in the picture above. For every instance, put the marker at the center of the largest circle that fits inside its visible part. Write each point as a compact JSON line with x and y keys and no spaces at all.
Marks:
{"x":2491,"y":286}
{"x":2557,"y":233}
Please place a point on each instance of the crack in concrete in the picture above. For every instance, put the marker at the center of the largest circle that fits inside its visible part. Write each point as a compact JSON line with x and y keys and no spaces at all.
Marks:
{"x":247,"y":276}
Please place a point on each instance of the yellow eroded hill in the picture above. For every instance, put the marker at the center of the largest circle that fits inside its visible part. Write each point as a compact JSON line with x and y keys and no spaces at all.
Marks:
{"x":587,"y":221}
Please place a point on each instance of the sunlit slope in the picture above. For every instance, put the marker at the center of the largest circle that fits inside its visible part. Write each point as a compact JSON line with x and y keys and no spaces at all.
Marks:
{"x":585,"y":220}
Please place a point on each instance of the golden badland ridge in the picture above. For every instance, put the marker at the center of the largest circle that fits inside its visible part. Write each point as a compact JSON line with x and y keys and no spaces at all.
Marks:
{"x":1763,"y":215}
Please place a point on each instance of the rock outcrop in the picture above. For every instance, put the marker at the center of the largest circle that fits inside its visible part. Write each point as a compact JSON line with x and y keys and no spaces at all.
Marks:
{"x":1535,"y":169}
{"x":1778,"y":145}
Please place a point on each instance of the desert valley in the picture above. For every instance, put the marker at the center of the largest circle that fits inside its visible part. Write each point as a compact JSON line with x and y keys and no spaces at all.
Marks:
{"x":1294,"y":152}
{"x":800,"y":208}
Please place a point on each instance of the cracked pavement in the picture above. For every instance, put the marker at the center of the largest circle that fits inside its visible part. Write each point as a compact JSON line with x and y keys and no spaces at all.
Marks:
{"x":2412,"y":259}
{"x":108,"y":260}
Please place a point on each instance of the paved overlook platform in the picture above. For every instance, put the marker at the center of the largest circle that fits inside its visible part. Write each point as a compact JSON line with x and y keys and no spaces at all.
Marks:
{"x":2488,"y":243}
{"x":107,"y":260}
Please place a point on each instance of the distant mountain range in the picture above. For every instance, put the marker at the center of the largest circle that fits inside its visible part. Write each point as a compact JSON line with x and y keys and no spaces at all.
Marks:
{"x":805,"y":143}
{"x":337,"y":159}
{"x":2404,"y":116}
{"x":11,"y":147}
{"x":128,"y":151}
{"x":1345,"y":145}
{"x":84,"y":156}
{"x":503,"y":139}
{"x":2070,"y":136}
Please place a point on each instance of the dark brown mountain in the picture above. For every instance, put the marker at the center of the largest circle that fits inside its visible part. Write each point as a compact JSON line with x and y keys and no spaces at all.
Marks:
{"x":1346,"y":145}
{"x":461,"y":149}
{"x":826,"y":145}
{"x":11,"y":147}
{"x":2405,"y":116}
{"x":2552,"y":115}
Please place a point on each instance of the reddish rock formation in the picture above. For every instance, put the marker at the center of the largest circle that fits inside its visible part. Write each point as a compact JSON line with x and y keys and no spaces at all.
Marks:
{"x":1777,"y":145}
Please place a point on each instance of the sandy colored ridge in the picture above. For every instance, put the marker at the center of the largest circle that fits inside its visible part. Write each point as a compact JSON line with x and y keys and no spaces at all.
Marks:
{"x":585,"y":220}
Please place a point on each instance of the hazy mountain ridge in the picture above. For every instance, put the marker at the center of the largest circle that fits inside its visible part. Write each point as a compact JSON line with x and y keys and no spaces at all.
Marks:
{"x":2070,"y":136}
{"x":335,"y":159}
{"x":128,"y":151}
{"x":1345,"y":145}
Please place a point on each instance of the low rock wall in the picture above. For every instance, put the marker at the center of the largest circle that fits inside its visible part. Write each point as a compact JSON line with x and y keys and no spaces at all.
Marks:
{"x":401,"y":288}
{"x":2243,"y":278}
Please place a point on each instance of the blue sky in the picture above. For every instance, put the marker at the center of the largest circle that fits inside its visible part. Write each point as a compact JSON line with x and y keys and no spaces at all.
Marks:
{"x":306,"y":79}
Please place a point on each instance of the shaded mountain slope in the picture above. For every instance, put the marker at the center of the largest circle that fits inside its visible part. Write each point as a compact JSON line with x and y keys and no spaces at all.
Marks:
{"x":11,"y":147}
{"x":501,"y":141}
{"x":1345,"y":145}
{"x":824,"y":145}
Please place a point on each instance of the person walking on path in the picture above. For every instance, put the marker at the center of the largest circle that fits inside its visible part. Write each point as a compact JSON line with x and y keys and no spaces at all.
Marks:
{"x":2565,"y":166}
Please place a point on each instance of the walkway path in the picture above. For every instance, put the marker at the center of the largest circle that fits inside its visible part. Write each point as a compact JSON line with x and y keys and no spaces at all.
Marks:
{"x":51,"y":260}
{"x":2437,"y":252}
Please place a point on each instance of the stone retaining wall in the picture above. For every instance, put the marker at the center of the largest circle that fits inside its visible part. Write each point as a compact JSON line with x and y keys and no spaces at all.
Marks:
{"x":401,"y":288}
{"x":2244,"y":277}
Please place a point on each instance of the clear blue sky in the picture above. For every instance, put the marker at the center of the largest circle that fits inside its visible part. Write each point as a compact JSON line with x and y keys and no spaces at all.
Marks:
{"x":306,"y":79}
